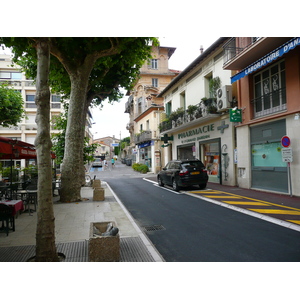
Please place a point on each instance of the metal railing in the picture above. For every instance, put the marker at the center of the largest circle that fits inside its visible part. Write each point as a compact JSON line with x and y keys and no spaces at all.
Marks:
{"x":143,"y":136}
{"x":269,"y":103}
{"x":231,"y":50}
{"x":203,"y":109}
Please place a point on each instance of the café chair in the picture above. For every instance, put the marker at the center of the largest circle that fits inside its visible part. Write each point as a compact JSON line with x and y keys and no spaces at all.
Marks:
{"x":31,"y":198}
{"x":7,"y":218}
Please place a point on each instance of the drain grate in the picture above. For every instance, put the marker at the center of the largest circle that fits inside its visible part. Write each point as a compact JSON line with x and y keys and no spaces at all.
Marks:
{"x":153,"y":227}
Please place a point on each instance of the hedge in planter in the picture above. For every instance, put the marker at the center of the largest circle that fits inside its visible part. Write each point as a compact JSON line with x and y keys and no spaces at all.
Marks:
{"x":140,"y":168}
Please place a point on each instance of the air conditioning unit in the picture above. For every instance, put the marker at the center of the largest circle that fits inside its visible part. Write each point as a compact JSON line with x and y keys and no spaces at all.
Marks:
{"x":224,"y":97}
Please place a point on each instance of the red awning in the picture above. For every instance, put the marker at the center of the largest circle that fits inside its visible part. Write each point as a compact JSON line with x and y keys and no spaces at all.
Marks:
{"x":14,"y":149}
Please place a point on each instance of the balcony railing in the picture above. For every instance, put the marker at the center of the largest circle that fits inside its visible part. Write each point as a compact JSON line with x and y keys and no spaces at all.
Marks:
{"x":203,"y":109}
{"x":231,"y":50}
{"x":143,"y":137}
{"x":269,"y":103}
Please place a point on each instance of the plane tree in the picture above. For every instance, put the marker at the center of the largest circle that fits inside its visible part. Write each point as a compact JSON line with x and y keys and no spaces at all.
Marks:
{"x":94,"y":69}
{"x":79,"y":57}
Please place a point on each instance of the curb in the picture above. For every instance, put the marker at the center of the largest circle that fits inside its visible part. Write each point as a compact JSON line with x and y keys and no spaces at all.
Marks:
{"x":150,"y":247}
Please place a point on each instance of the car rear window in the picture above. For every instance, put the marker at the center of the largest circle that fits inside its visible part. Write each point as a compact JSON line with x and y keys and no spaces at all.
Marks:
{"x":193,"y":164}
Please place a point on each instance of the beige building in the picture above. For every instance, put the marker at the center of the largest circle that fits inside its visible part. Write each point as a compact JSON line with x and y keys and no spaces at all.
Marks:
{"x":106,"y":146}
{"x":146,"y":109}
{"x":26,"y":130}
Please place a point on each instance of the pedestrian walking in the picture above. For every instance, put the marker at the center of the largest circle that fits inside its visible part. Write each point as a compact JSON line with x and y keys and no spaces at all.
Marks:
{"x":112,"y":163}
{"x":105,"y":164}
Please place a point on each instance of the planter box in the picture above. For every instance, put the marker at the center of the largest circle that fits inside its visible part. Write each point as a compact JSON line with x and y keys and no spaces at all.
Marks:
{"x":103,"y":248}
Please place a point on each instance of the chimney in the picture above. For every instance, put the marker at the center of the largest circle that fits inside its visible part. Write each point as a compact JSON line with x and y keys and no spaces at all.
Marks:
{"x":201,"y":49}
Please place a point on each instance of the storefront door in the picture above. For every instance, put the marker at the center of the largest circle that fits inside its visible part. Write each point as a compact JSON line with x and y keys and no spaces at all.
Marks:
{"x":210,"y":156}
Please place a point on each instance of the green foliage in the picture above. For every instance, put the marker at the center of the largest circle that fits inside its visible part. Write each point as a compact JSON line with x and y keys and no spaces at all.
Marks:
{"x":179,"y":112}
{"x":140,"y":168}
{"x":125,"y":142}
{"x":8,"y":171}
{"x":58,"y":139}
{"x":109,"y":73}
{"x":214,"y":85}
{"x":11,"y":106}
{"x":191,"y":109}
{"x":31,"y":171}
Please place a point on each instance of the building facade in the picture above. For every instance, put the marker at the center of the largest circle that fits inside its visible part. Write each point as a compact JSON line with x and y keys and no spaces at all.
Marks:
{"x":267,"y":76}
{"x":106,"y":146}
{"x":197,"y":123}
{"x":145,"y":109}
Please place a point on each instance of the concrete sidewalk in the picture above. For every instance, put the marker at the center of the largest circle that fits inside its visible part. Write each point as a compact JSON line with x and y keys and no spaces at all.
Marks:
{"x":72,"y":224}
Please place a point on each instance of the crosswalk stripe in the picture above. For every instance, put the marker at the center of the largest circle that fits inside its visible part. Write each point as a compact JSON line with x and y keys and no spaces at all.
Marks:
{"x":246,"y":203}
{"x":276,"y":211}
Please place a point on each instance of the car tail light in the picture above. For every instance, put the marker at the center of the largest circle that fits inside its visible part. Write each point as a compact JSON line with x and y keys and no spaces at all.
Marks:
{"x":182,"y":173}
{"x":204,"y":171}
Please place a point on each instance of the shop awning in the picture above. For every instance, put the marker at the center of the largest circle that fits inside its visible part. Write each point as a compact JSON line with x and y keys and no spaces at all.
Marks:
{"x":14,"y":149}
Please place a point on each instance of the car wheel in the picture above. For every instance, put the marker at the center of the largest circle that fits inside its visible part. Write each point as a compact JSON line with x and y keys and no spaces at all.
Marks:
{"x":202,"y":186}
{"x":175,"y":185}
{"x":160,"y":183}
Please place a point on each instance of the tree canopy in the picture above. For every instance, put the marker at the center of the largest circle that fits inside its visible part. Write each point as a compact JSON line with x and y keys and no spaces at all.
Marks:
{"x":11,"y":106}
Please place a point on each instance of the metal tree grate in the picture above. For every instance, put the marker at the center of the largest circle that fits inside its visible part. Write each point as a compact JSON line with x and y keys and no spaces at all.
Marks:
{"x":153,"y":227}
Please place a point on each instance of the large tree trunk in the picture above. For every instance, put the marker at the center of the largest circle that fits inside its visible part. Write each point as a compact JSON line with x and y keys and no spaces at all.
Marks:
{"x":72,"y":167}
{"x":45,"y":234}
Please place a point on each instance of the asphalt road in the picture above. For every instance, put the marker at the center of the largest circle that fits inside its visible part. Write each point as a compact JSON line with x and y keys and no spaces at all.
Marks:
{"x":187,"y":229}
{"x":195,"y":230}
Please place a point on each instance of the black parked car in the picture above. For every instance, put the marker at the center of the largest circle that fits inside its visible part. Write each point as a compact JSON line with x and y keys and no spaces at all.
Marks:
{"x":182,"y":173}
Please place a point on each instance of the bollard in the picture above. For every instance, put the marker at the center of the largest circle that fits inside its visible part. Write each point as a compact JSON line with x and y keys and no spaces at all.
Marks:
{"x":98,"y":194}
{"x":96,"y":183}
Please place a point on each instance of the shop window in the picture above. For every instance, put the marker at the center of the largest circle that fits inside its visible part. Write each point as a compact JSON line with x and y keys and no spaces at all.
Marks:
{"x":267,"y":155}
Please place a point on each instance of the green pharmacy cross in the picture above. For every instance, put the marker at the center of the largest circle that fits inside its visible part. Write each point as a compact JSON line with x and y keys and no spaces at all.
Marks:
{"x":223,"y":126}
{"x":166,"y":139}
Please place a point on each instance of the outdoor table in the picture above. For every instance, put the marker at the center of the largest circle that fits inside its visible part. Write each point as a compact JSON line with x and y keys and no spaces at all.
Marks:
{"x":17,"y":205}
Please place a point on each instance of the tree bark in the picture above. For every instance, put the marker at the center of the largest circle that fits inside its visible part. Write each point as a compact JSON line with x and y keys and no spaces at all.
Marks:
{"x":72,"y":167}
{"x":45,"y":233}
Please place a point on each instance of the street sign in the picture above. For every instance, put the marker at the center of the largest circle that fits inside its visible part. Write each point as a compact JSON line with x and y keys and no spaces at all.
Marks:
{"x":115,"y":145}
{"x":287,"y":155}
{"x":285,"y":141}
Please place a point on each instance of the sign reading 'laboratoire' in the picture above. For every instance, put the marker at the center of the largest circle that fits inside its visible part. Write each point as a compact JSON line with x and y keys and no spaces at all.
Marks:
{"x":267,"y":59}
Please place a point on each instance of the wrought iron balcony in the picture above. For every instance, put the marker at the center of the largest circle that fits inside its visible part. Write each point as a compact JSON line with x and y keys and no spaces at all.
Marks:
{"x":180,"y":118}
{"x":269,"y":103}
{"x":143,"y":137}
